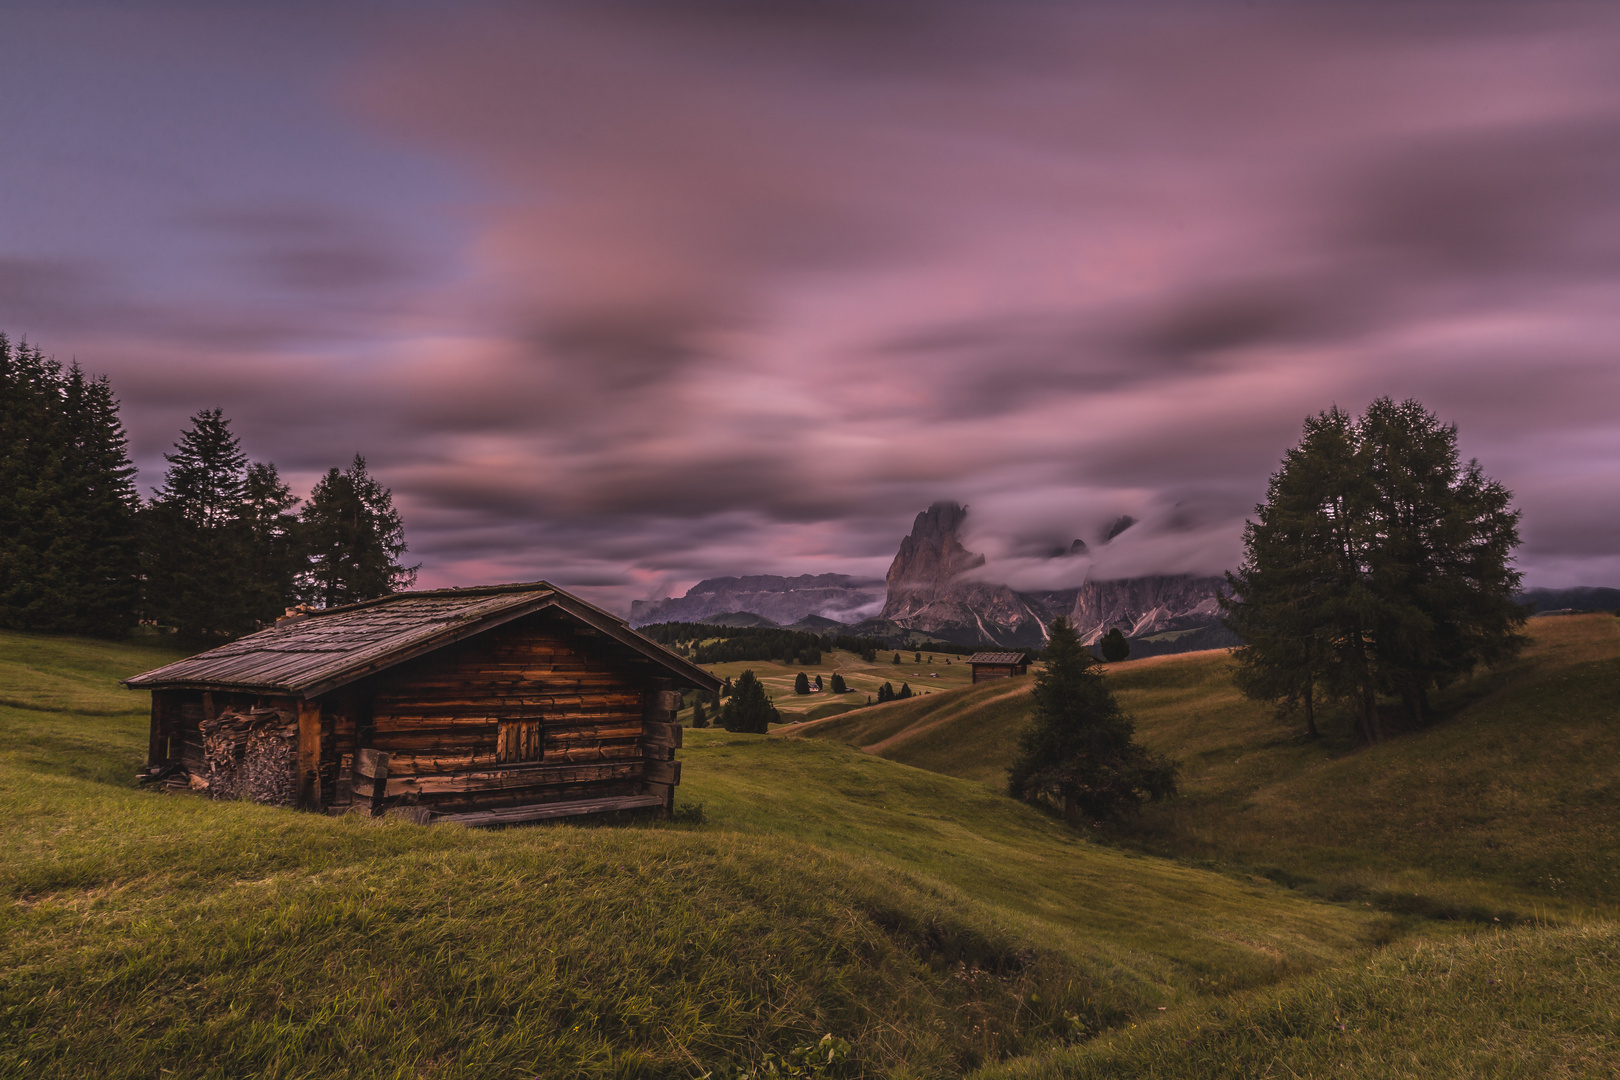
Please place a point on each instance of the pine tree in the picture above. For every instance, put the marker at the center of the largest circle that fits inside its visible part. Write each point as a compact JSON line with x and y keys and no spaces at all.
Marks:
{"x":700,"y":718}
{"x":749,"y":709}
{"x":896,"y":658}
{"x":801,"y":683}
{"x":354,"y":538}
{"x":1114,"y":646}
{"x":905,"y":692}
{"x":885,"y":693}
{"x":838,"y":686}
{"x":1079,"y":750}
{"x":818,"y":683}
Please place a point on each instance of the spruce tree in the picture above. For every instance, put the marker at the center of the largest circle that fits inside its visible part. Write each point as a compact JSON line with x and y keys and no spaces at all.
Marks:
{"x":838,"y":686}
{"x":273,"y":555}
{"x":195,"y":554}
{"x":801,"y":683}
{"x":700,"y":718}
{"x":749,"y":709}
{"x":885,"y":693}
{"x":1114,"y":646}
{"x":1078,"y":751}
{"x":353,"y":537}
{"x":905,"y":692}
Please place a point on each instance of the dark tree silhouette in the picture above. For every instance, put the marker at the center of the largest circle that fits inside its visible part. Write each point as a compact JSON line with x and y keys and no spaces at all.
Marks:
{"x":1078,"y":751}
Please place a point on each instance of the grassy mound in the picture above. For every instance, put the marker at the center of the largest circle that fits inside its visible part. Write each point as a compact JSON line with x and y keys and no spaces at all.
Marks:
{"x":971,"y":732}
{"x":1522,"y":1003}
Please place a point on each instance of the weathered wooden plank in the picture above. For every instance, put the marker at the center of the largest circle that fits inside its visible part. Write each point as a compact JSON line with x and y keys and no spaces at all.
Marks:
{"x":516,"y":777}
{"x":663,"y":701}
{"x":372,"y":763}
{"x":309,"y":754}
{"x":550,"y":811}
{"x":657,"y":753}
{"x":408,"y":764}
{"x":663,"y":772}
{"x":657,"y":734}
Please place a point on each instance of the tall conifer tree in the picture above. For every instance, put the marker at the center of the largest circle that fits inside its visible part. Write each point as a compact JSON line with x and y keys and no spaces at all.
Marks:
{"x":1079,"y":750}
{"x":195,"y":551}
{"x":354,"y":538}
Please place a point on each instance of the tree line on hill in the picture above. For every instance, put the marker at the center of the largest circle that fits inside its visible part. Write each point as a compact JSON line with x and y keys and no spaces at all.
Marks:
{"x":219,"y":550}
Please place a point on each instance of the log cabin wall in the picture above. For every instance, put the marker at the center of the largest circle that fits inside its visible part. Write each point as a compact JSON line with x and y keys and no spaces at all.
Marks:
{"x":540,"y":710}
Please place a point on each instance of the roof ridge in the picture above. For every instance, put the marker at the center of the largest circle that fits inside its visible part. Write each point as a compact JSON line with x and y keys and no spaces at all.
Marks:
{"x":468,"y":590}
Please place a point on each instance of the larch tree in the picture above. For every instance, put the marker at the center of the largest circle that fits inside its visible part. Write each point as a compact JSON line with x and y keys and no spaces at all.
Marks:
{"x":1379,"y":566}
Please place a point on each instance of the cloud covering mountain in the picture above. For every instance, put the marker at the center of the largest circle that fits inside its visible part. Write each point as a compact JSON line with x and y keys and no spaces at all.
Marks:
{"x":629,"y":296}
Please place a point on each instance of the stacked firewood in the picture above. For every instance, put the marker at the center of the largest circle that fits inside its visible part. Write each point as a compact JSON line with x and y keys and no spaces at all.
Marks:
{"x":251,"y":754}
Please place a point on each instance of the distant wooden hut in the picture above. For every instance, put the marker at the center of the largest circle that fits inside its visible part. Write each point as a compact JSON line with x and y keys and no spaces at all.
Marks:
{"x":508,"y":703}
{"x":997,"y":665}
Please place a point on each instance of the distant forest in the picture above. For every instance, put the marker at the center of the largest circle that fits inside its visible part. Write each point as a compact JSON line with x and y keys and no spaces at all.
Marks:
{"x":707,"y":643}
{"x":219,"y":550}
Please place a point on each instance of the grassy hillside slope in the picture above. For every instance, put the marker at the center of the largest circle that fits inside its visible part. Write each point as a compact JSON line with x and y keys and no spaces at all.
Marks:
{"x":1521,"y":1003}
{"x":1510,"y":800}
{"x":933,"y":924}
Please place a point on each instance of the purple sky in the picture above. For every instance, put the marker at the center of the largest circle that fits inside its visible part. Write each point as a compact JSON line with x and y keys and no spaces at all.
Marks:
{"x":626,"y":295}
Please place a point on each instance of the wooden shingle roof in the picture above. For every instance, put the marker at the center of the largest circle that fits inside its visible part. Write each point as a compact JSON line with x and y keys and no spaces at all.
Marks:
{"x":997,"y":658}
{"x":320,"y":651}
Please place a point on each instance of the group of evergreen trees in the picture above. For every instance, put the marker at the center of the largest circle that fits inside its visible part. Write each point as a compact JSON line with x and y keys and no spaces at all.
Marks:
{"x":1379,"y":566}
{"x":69,"y":546}
{"x":887,"y":692}
{"x":217,"y":552}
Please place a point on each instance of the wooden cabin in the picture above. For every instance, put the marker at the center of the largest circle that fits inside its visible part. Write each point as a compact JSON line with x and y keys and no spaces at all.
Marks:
{"x":487,"y":705}
{"x":997,"y":665}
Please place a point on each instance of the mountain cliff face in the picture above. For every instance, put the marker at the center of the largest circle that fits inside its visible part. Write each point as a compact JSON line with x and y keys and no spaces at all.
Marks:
{"x":783,"y":600}
{"x":926,"y":593}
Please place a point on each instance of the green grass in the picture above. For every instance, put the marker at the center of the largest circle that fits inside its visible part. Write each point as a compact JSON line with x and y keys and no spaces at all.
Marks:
{"x":1509,"y":802}
{"x":935,"y":926}
{"x":862,"y":678}
{"x":807,"y":888}
{"x":1522,"y":1003}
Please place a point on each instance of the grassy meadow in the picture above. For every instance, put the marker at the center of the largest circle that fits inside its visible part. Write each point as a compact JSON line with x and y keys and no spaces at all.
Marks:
{"x":1502,"y":806}
{"x":808,"y":887}
{"x":934,"y":673}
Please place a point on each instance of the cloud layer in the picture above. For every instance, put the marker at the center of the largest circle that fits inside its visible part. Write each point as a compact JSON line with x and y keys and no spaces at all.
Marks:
{"x":624,"y":298}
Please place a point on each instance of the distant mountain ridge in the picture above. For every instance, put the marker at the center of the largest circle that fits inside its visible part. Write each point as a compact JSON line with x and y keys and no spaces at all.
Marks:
{"x":782,"y":600}
{"x":926,"y":592}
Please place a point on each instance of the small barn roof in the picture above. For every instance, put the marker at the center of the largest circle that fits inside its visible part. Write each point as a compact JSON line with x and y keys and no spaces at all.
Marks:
{"x":997,"y":658}
{"x":311,"y":654}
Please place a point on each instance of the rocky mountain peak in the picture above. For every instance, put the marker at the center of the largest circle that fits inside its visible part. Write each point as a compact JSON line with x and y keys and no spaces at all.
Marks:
{"x":929,"y":558}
